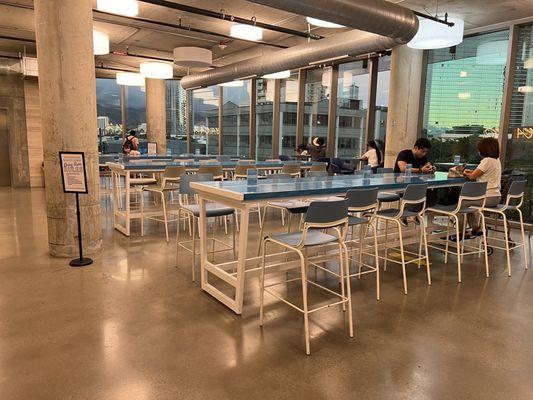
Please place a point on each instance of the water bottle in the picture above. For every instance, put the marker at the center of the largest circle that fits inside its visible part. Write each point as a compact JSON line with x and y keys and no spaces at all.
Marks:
{"x":367,"y":170}
{"x":251,"y":177}
{"x":408,"y":169}
{"x":456,"y":160}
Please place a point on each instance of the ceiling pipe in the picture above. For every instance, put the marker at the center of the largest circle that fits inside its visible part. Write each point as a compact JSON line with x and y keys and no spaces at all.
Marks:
{"x":387,"y":25}
{"x":230,"y":18}
{"x":377,"y":16}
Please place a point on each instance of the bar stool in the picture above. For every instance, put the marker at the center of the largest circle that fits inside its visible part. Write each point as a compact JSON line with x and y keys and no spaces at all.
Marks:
{"x":215,"y":170}
{"x":193,"y":211}
{"x":316,"y":174}
{"x":470,"y":192}
{"x":414,"y":196}
{"x":362,"y":207}
{"x":168,"y":184}
{"x":319,"y":167}
{"x":241,"y":173}
{"x":320,"y":216}
{"x":387,"y":197}
{"x":292,"y":168}
{"x":514,"y":195}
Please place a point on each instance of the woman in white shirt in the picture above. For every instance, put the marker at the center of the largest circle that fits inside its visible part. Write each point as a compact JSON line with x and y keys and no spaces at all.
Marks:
{"x":489,"y":170}
{"x":373,"y":155}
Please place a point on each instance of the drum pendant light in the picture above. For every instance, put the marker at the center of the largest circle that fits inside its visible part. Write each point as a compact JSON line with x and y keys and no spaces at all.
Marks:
{"x":246,"y":32}
{"x":193,"y":57}
{"x":129,"y":8}
{"x":100,"y":43}
{"x":129,"y":79}
{"x":156,"y":70}
{"x":435,"y":35}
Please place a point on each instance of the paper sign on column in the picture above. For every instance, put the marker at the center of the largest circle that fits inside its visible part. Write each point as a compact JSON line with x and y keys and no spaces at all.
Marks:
{"x":73,"y":171}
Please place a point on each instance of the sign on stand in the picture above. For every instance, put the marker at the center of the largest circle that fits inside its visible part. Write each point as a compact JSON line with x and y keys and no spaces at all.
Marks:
{"x":151,"y":148}
{"x":74,"y":180}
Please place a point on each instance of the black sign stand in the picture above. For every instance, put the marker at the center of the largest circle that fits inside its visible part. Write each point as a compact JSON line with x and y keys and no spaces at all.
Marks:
{"x":79,"y":262}
{"x":77,"y":187}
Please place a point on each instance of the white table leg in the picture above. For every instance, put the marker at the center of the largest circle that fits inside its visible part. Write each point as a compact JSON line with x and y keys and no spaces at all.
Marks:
{"x":241,"y":259}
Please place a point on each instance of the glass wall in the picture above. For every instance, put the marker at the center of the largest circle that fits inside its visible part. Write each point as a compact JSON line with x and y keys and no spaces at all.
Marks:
{"x":382,"y":101}
{"x":204,"y":117}
{"x":352,"y":105}
{"x":288,"y":114}
{"x":264,"y":112}
{"x":316,"y":99}
{"x":136,"y":110}
{"x":109,"y":115}
{"x":520,"y":135}
{"x":176,"y":117}
{"x":464,"y":91}
{"x":236,"y":119}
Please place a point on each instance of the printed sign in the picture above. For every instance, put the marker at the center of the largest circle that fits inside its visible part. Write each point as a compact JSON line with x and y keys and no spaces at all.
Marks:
{"x":73,"y":171}
{"x":524,"y":132}
{"x":152,"y":148}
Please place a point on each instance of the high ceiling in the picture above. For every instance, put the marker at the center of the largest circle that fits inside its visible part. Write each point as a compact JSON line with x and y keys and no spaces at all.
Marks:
{"x":150,"y":39}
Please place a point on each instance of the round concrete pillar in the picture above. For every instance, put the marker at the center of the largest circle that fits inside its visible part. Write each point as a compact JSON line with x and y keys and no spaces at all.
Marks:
{"x":156,"y":117}
{"x":405,"y":90}
{"x":67,"y":91}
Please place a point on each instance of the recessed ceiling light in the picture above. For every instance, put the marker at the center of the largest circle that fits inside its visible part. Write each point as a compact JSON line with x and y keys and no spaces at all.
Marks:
{"x":322,"y":23}
{"x":129,"y":8}
{"x":246,"y":32}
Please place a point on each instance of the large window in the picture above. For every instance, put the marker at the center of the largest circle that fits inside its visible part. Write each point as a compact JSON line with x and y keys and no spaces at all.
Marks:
{"x":382,"y":100}
{"x":204,"y":125}
{"x":520,"y":135}
{"x":236,"y":119}
{"x":464,"y":90}
{"x":136,"y":110}
{"x":288,"y":114}
{"x":352,"y":106}
{"x":316,"y":98}
{"x":176,"y":117}
{"x":109,"y":115}
{"x":264,"y":113}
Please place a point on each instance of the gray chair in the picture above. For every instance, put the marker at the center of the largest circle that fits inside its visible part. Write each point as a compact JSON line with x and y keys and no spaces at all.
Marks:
{"x":362,"y":206}
{"x":316,"y":174}
{"x":387,"y":197}
{"x":513,"y":202}
{"x":192,"y":210}
{"x":414,"y":196}
{"x":320,"y":217}
{"x":471,"y":192}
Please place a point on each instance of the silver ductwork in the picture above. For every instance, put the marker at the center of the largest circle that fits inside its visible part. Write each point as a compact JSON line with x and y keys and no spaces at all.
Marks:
{"x":386,"y":25}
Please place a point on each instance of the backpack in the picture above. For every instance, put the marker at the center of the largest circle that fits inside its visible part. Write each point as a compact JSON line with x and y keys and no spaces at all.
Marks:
{"x":128,"y":145}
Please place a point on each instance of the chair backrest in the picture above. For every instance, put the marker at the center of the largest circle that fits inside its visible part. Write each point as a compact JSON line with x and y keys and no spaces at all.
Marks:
{"x":224,"y":158}
{"x":215,"y":170}
{"x":172,"y":171}
{"x":415,"y":193}
{"x":316,"y":174}
{"x":246,"y":162}
{"x":517,"y":189}
{"x":473,"y":191}
{"x":362,"y":199}
{"x":385,"y":170}
{"x":292,"y":168}
{"x":327,"y":213}
{"x":279,"y":177}
{"x":242,"y":169}
{"x":284,"y":158}
{"x":319,"y":167}
{"x":185,"y":181}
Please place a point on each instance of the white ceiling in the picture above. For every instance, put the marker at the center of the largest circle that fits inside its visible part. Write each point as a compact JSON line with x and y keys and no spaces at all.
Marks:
{"x":158,"y":41}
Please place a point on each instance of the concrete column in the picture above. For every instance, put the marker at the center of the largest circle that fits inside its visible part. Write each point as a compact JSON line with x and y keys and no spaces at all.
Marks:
{"x":405,"y":101}
{"x":67,"y":90}
{"x":156,"y":117}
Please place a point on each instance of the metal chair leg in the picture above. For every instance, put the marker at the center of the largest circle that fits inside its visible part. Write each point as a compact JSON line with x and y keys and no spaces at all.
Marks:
{"x":262,"y":283}
{"x":484,"y":230}
{"x":525,"y":247}
{"x":506,"y":237}
{"x":458,"y":244}
{"x":402,"y":256}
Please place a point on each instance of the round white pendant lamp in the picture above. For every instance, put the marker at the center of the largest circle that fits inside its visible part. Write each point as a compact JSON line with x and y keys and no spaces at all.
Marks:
{"x":492,"y":53}
{"x":100,"y":43}
{"x":128,"y":8}
{"x":435,"y":35}
{"x":193,"y":57}
{"x":232,"y":84}
{"x":246,"y":32}
{"x":278,"y":75}
{"x":322,"y":23}
{"x":156,"y":70}
{"x":129,"y":79}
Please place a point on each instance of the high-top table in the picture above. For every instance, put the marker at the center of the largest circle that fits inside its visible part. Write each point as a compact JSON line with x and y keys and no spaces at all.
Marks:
{"x":243,"y":197}
{"x":123,"y":213}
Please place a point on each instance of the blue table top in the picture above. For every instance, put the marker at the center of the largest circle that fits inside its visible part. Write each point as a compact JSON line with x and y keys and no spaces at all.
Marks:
{"x":159,"y":165}
{"x":265,"y":190}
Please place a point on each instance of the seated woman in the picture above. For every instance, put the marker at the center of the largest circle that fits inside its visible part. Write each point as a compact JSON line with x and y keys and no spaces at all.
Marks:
{"x":373,"y":155}
{"x":489,"y":170}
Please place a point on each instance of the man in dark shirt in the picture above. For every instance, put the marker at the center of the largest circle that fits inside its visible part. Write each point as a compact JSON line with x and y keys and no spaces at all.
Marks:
{"x":417,"y":157}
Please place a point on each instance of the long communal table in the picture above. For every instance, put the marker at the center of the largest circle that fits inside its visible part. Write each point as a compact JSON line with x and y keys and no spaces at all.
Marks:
{"x":122,"y":174}
{"x":243,"y":197}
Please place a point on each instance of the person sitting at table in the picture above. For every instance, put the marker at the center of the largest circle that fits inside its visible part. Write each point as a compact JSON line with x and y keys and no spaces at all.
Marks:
{"x":301,"y":151}
{"x":373,"y":155}
{"x":131,"y":143}
{"x":417,"y":157}
{"x":489,"y":170}
{"x":317,"y":149}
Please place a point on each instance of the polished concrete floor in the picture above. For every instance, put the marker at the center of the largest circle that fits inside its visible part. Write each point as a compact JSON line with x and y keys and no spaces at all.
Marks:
{"x":133,"y":326}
